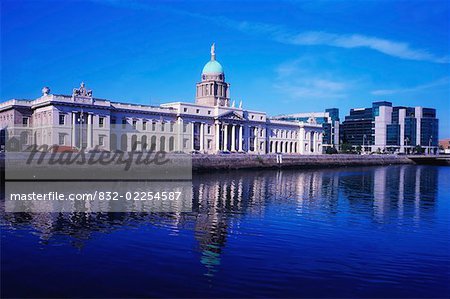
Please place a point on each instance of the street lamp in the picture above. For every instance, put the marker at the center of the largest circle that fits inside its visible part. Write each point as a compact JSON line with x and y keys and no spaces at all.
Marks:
{"x":429,"y":144}
{"x":406,"y":144}
{"x":364,"y":143}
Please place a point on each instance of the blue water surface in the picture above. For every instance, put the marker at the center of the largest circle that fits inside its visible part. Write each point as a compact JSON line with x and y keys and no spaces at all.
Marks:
{"x":349,"y":232}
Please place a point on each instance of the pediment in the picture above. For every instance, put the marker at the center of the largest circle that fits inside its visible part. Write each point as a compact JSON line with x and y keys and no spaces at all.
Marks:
{"x":231,"y":115}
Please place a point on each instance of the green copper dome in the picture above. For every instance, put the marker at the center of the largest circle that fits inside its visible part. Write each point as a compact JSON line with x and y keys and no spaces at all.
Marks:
{"x":212,"y":67}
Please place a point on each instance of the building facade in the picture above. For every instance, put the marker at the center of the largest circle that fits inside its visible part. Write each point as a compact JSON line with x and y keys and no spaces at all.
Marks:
{"x":392,"y":129}
{"x":212,"y":124}
{"x":328,"y":119}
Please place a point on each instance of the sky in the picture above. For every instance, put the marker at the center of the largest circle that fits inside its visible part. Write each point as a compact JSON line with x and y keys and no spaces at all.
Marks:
{"x":279,"y":56}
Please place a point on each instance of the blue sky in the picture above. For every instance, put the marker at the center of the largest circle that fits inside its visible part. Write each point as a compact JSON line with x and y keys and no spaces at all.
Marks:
{"x":279,"y":57}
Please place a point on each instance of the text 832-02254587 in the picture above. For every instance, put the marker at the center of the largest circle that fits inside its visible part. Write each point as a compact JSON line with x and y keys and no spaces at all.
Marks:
{"x":140,"y":195}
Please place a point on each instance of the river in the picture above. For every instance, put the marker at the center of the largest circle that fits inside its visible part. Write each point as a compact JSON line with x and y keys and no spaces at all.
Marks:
{"x":347,"y":232}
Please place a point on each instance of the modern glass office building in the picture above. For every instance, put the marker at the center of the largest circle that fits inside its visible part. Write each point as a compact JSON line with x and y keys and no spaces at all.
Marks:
{"x":393,"y":129}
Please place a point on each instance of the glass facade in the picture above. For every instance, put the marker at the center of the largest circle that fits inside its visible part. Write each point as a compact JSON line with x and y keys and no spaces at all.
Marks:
{"x":393,"y":134}
{"x":416,"y":120}
{"x":429,"y":132}
{"x":357,"y":128}
{"x":410,"y":131}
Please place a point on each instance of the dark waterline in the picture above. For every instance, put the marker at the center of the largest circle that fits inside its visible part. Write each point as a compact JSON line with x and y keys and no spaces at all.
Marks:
{"x":356,"y":232}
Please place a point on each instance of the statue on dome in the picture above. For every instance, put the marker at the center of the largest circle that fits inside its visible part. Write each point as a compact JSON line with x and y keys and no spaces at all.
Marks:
{"x":213,"y":51}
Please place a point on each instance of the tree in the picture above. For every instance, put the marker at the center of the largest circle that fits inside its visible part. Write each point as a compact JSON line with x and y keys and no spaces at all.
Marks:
{"x":331,"y":150}
{"x":346,"y":148}
{"x":419,"y":150}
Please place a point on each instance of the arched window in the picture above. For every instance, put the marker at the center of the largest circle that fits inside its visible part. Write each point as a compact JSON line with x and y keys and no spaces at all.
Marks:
{"x":153,"y":143}
{"x":24,"y":137}
{"x":171,"y":144}
{"x":113,"y":142}
{"x":162,"y":145}
{"x":123,"y":142}
{"x":134,"y":142}
{"x":144,"y":142}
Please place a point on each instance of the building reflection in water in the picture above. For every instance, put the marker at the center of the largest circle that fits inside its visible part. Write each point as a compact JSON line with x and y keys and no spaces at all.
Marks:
{"x":222,"y":200}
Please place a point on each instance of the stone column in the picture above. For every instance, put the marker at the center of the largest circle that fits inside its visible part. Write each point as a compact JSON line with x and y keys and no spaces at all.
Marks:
{"x":89,"y":130}
{"x":240,"y":136}
{"x":301,"y":141}
{"x":318,"y":142}
{"x":202,"y":137}
{"x":217,"y":137}
{"x":233,"y":138}
{"x":74,"y":131}
{"x":192,"y":136}
{"x":179,"y":135}
{"x":225,"y":137}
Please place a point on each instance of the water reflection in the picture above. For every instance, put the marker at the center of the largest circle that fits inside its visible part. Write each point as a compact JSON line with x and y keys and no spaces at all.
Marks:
{"x":221,"y":200}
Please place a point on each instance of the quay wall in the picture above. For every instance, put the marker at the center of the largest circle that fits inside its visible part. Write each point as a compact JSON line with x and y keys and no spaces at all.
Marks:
{"x":241,"y":161}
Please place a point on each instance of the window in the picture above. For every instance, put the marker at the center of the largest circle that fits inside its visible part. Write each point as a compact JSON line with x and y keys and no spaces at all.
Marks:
{"x":209,"y":129}
{"x":62,"y":139}
{"x":209,"y":143}
{"x":144,"y":125}
{"x":253,"y":116}
{"x":101,"y":122}
{"x":101,"y":140}
{"x":185,"y":128}
{"x":162,"y":127}
{"x":124,"y":123}
{"x":24,"y":137}
{"x":185,"y":142}
{"x":25,"y":121}
{"x":198,"y":111}
{"x":62,"y":119}
{"x":209,"y":112}
{"x":185,"y":110}
{"x":113,"y":122}
{"x":153,"y":126}
{"x":171,"y":126}
{"x":134,"y":124}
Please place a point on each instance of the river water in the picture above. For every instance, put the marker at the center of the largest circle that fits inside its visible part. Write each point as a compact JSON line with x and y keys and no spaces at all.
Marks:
{"x":348,"y":232}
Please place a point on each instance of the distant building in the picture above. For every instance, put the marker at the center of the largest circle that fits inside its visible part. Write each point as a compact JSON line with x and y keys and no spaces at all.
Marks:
{"x":444,"y":145}
{"x":328,"y":119}
{"x":392,"y":129}
{"x":213,"y":124}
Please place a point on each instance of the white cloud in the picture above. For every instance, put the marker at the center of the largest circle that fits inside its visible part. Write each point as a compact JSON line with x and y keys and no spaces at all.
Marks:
{"x":388,"y":47}
{"x":314,"y":38}
{"x":441,"y":82}
{"x":348,"y":41}
{"x":307,"y":38}
{"x":298,"y":81}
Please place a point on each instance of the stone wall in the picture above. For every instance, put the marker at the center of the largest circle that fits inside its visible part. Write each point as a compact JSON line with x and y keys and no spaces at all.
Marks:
{"x":240,"y":161}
